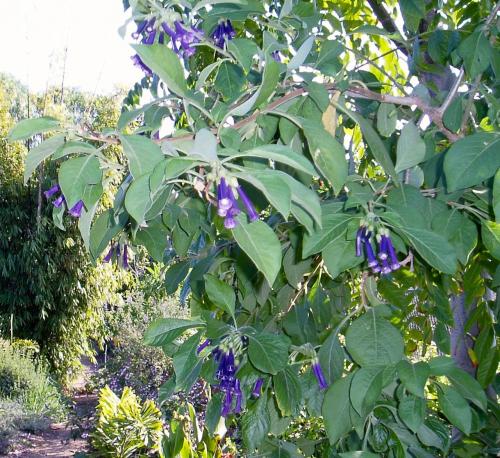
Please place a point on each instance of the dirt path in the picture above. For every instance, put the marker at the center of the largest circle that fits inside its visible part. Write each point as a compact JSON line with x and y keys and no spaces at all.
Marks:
{"x":62,"y":439}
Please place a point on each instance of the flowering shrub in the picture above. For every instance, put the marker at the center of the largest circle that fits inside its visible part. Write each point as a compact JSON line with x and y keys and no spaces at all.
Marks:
{"x":308,"y":197}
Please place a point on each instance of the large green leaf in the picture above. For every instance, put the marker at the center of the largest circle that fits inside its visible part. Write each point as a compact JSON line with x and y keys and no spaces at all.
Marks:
{"x":105,"y":227}
{"x":187,"y":365}
{"x":490,"y":231}
{"x":327,"y":153}
{"x":75,"y":174}
{"x":468,"y":387}
{"x":455,"y":408}
{"x":288,"y":391}
{"x":366,"y":387}
{"x":28,"y":127}
{"x":229,"y":81}
{"x":475,"y":51}
{"x":154,"y":238}
{"x":472,"y":160}
{"x":413,"y":11}
{"x":165,"y":63}
{"x":279,"y":153}
{"x":411,"y":410}
{"x":244,"y":50}
{"x":270,"y":79}
{"x":220,"y":293}
{"x":373,"y":341}
{"x":340,"y":255}
{"x":414,"y":376}
{"x":261,"y":245}
{"x":496,"y":196}
{"x":138,"y":199}
{"x":164,"y":330}
{"x":41,"y":152}
{"x":336,"y":409}
{"x":411,"y":148}
{"x":143,"y":154}
{"x":255,"y":424}
{"x":331,"y":357}
{"x":387,"y":116}
{"x":268,"y":352}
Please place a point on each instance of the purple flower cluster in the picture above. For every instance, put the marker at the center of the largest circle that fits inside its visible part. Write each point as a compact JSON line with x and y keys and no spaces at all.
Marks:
{"x":224,"y":31}
{"x":182,"y":37}
{"x":114,"y":251}
{"x":386,"y":252}
{"x":318,"y":372}
{"x":75,"y":210}
{"x":228,"y":383}
{"x":227,"y":205}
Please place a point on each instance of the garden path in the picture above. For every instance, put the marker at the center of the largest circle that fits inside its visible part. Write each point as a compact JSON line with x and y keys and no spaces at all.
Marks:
{"x":66,"y":439}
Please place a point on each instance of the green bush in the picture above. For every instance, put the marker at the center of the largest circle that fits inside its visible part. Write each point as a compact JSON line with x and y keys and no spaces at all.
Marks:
{"x":27,"y":383}
{"x":126,"y":426}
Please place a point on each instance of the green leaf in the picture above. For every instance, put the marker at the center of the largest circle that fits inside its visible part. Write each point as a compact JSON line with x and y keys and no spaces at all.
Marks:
{"x":475,"y":51}
{"x":359,"y":454}
{"x":327,"y":153}
{"x":165,"y":63}
{"x":205,"y":73}
{"x":220,"y":293}
{"x":205,"y":146}
{"x":455,"y":408}
{"x":336,"y":409}
{"x":411,"y":410}
{"x":271,"y":184}
{"x":41,"y":152}
{"x":268,"y":352}
{"x":261,"y":245}
{"x":75,"y":174}
{"x":366,"y":388}
{"x":441,"y":365}
{"x":279,"y":153}
{"x":187,"y":365}
{"x":255,"y":424}
{"x":373,"y":341}
{"x":165,"y":330}
{"x":387,"y":116}
{"x":301,"y":55}
{"x":410,"y":149}
{"x":339,"y":256}
{"x":331,"y":357}
{"x":468,"y":387}
{"x":328,"y":61}
{"x":154,"y":238}
{"x":244,"y":50}
{"x":138,"y":199}
{"x":143,"y":154}
{"x":472,"y":160}
{"x":229,"y":81}
{"x":332,"y":228}
{"x":175,"y":275}
{"x":74,"y":147}
{"x":496,"y":196}
{"x":413,"y":11}
{"x":287,"y":391}
{"x":414,"y":376}
{"x":490,"y":232}
{"x":270,"y":79}
{"x":28,"y":127}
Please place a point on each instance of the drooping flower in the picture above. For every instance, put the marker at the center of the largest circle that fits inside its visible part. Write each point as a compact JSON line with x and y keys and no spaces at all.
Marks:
{"x":394,"y":264}
{"x":203,"y":345}
{"x":125,"y":256}
{"x":76,"y":210}
{"x":370,"y":255}
{"x":140,"y":28}
{"x":223,"y":32}
{"x":58,"y":202}
{"x":276,"y":56}
{"x":257,"y":388}
{"x":183,"y":37}
{"x":360,"y":239}
{"x":252,"y":214}
{"x":318,"y":372}
{"x":139,"y":63}
{"x":53,"y":190}
{"x":110,"y":253}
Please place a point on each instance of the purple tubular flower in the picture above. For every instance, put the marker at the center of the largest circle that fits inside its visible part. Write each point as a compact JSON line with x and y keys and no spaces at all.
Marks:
{"x":150,"y":25}
{"x":370,"y":255}
{"x":360,"y":235}
{"x":108,"y":257}
{"x":229,"y":222}
{"x":58,"y":202}
{"x":139,"y":63}
{"x":223,"y":31}
{"x":202,"y":346}
{"x":386,"y":269}
{"x":228,"y":383}
{"x":276,"y":56}
{"x":228,"y":402}
{"x":140,"y":28}
{"x":395,"y":265}
{"x":257,"y":388}
{"x":320,"y":377}
{"x":239,"y":396}
{"x":382,"y":248}
{"x":76,"y":210}
{"x":50,"y":192}
{"x":125,"y":256}
{"x":252,"y":214}
{"x":224,"y":202}
{"x":150,"y":39}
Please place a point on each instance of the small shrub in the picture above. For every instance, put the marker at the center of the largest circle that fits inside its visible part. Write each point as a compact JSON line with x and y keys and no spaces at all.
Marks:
{"x":28,"y":384}
{"x":126,"y":426}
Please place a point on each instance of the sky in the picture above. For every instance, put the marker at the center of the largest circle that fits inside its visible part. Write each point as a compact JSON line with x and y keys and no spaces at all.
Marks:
{"x":36,"y":33}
